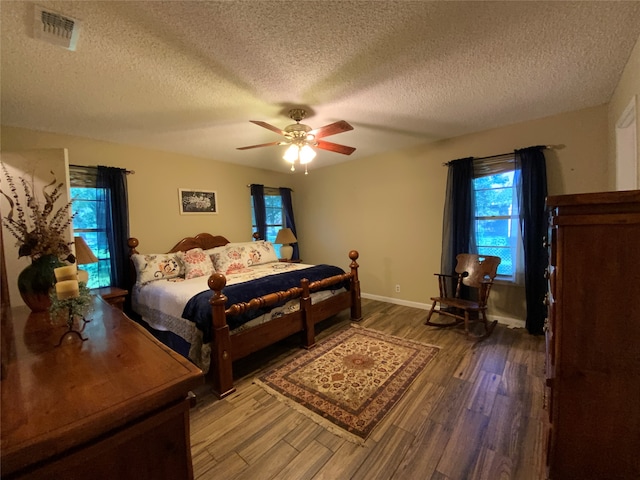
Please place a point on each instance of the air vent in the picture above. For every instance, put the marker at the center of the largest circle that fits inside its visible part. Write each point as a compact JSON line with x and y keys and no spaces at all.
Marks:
{"x":55,"y":28}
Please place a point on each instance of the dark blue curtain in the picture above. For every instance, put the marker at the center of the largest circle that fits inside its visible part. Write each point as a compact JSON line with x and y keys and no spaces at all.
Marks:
{"x":259,"y":209}
{"x":287,"y":205}
{"x":458,"y":224}
{"x":531,"y":184}
{"x":113,"y":212}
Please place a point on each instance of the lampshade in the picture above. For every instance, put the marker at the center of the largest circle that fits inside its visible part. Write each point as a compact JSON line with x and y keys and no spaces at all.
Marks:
{"x":285,"y":236}
{"x":307,"y":154}
{"x":291,"y":154}
{"x":84,"y":254}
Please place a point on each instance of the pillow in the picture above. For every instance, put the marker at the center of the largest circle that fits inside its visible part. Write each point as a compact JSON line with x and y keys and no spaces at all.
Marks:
{"x":196,"y":263}
{"x":262,"y":252}
{"x":230,"y":258}
{"x":156,"y":267}
{"x":234,"y":257}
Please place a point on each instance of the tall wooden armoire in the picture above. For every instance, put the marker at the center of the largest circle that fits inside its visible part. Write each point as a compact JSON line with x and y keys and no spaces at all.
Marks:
{"x":593,"y":336}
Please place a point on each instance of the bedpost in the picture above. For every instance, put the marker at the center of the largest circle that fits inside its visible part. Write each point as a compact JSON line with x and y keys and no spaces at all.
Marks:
{"x":132,"y":243}
{"x":356,"y":303}
{"x":309,"y":331}
{"x":220,"y":369}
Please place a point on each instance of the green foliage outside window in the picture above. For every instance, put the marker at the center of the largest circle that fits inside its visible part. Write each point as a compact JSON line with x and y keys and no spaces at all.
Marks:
{"x":274,"y":216}
{"x":497,"y":219}
{"x":89,"y":223}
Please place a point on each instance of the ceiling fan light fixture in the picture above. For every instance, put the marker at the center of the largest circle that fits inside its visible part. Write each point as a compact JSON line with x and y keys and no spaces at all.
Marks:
{"x":291,"y":153}
{"x":301,"y":139}
{"x":307,"y":154}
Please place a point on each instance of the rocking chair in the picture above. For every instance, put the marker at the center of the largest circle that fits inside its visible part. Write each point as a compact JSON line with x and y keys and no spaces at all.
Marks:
{"x":476,"y":272}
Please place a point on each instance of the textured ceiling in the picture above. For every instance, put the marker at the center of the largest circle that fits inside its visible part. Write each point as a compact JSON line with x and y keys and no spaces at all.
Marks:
{"x":188,"y":76}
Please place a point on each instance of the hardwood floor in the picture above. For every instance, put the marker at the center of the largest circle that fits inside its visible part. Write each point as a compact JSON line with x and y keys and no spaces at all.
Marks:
{"x":476,"y":412}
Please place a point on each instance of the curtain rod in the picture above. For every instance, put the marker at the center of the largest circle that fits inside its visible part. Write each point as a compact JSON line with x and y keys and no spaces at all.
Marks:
{"x":128,"y":172}
{"x":545,"y":147}
{"x":249,"y":186}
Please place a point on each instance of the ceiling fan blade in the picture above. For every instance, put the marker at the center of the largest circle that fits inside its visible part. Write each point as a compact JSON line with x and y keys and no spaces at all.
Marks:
{"x":331,"y":129}
{"x":334,"y":147}
{"x":261,"y":145}
{"x":268,"y":126}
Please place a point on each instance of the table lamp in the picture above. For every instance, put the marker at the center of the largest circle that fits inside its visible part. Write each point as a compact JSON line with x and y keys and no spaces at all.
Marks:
{"x":285,"y":237}
{"x":84,"y":256}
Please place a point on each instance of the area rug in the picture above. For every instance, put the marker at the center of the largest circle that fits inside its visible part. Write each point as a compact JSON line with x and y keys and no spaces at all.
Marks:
{"x":350,"y":381}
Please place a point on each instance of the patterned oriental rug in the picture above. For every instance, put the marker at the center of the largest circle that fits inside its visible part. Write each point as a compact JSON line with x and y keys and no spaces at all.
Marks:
{"x":350,"y":381}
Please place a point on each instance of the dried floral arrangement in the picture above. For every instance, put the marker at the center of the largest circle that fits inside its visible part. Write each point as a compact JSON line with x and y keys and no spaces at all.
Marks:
{"x":38,"y":229}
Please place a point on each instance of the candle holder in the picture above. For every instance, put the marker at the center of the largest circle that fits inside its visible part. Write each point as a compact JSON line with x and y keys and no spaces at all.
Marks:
{"x":74,"y":299}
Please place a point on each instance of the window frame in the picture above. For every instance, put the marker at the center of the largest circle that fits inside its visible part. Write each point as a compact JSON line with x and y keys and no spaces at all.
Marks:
{"x":85,"y":177}
{"x":270,"y":227}
{"x":492,"y":167}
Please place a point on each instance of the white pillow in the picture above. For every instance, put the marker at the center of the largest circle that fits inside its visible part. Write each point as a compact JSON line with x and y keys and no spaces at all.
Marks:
{"x":153,"y":267}
{"x":263,"y":252}
{"x":196,"y":263}
{"x":230,"y":258}
{"x":234,"y":257}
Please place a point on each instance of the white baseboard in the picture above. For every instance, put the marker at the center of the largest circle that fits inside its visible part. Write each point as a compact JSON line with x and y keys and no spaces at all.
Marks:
{"x":397,"y":301}
{"x":508,"y":321}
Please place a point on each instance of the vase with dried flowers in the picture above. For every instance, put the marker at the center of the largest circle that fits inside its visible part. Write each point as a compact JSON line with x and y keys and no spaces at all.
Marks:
{"x":41,"y":232}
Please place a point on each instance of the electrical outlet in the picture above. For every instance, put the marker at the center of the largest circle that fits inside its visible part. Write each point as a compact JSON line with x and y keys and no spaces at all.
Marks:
{"x":398,"y":288}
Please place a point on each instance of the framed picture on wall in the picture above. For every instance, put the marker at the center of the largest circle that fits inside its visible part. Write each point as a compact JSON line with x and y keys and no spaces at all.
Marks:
{"x":194,"y":201}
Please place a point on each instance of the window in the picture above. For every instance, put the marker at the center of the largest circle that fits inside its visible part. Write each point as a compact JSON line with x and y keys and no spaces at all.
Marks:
{"x":274,"y":213}
{"x":90,"y":223}
{"x":497,"y":216}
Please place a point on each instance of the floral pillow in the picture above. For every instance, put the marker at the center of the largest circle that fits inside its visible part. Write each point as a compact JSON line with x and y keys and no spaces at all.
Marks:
{"x":230,"y":258}
{"x":235,"y":257}
{"x":196,"y":263}
{"x":262,"y":252}
{"x":156,"y":267}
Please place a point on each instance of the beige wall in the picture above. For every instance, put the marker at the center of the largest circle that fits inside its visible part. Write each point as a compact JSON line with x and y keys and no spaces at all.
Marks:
{"x":389,"y":207}
{"x":153,"y":190}
{"x":628,"y":87}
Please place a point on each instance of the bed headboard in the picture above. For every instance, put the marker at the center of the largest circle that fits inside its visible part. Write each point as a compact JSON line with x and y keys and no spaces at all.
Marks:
{"x":204,"y":241}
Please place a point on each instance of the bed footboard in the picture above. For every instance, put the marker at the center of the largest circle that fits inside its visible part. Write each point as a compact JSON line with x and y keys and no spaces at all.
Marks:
{"x":223,"y":351}
{"x":225,"y":348}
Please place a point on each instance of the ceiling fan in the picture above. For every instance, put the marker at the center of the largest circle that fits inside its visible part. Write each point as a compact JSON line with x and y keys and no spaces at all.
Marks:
{"x":302,"y":138}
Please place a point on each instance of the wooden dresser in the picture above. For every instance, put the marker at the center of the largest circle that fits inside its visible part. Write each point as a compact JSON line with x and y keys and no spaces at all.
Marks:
{"x":113,"y":407}
{"x":593,"y":336}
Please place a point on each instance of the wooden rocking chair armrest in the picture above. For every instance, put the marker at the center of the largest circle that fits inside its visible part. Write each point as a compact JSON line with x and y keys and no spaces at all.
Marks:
{"x":485,"y":288}
{"x":442,"y":284}
{"x":445,"y":275}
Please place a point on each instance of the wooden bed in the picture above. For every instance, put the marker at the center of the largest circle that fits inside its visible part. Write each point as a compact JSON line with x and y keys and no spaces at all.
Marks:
{"x":227,"y":347}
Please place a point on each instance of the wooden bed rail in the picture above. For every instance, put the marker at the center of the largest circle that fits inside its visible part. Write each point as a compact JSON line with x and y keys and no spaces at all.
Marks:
{"x":216,"y":284}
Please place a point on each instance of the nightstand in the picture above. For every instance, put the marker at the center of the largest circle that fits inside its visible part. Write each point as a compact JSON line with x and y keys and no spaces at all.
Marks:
{"x":284,"y":260}
{"x":112,"y":295}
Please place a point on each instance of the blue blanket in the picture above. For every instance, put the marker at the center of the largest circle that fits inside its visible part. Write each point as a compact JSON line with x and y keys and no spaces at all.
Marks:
{"x":198,"y":308}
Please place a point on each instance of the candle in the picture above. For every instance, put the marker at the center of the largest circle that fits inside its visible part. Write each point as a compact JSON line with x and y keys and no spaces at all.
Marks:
{"x":66,"y":273}
{"x":67,"y":289}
